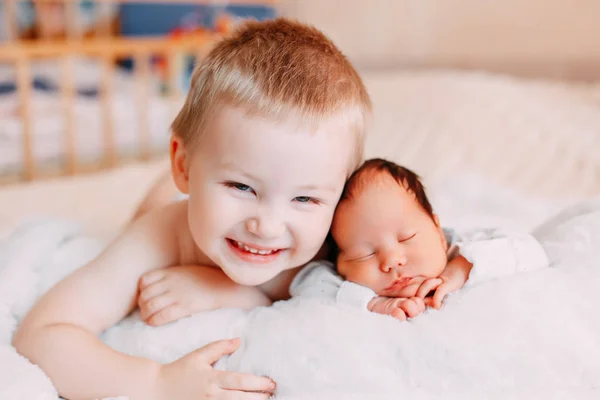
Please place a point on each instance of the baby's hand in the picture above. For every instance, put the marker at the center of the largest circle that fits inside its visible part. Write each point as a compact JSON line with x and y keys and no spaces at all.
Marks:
{"x":397,"y":307}
{"x":453,"y":277}
{"x":169,"y":294}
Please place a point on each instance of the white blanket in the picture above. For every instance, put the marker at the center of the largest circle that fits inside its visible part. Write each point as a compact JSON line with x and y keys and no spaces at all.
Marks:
{"x":528,"y":336}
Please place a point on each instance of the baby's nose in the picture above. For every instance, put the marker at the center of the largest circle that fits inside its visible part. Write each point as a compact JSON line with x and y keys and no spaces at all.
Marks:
{"x":393,"y":260}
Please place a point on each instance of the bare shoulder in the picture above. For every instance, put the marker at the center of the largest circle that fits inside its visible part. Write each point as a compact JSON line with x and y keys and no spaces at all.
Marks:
{"x":157,"y":233}
{"x":168,"y":228}
{"x":188,"y":253}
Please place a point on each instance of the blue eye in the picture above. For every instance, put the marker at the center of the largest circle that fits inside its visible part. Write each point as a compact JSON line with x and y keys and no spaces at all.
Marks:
{"x":242,"y":187}
{"x":239,"y":186}
{"x":307,"y":199}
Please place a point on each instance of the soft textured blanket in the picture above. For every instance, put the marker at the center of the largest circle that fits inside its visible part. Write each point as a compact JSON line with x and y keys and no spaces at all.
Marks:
{"x":528,"y":336}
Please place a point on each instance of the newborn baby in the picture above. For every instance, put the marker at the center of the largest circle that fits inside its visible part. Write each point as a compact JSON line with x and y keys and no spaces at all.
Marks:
{"x":393,"y":256}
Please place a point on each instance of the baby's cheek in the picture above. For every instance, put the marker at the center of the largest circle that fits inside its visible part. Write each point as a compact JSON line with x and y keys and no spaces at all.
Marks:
{"x":367,"y":274}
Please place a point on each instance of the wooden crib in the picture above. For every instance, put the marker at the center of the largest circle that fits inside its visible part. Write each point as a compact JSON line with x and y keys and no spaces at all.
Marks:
{"x":106,"y":49}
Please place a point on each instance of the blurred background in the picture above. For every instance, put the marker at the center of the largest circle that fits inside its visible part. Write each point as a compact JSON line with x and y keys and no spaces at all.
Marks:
{"x":507,"y":89}
{"x":85,"y":84}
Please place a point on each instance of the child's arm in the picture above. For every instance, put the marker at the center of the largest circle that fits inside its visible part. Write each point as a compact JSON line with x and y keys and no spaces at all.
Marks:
{"x":169,"y":294}
{"x":60,"y":332}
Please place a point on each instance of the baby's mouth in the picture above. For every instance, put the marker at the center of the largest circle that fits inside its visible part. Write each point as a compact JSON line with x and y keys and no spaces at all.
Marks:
{"x":400,"y":283}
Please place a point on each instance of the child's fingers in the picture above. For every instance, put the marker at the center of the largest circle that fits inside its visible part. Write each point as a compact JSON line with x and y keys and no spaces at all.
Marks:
{"x":151,"y":291}
{"x":428,"y":286}
{"x":239,"y":395}
{"x":151,"y":278}
{"x":245,"y":382}
{"x":168,"y":314}
{"x":155,"y":305}
{"x":212,"y":352}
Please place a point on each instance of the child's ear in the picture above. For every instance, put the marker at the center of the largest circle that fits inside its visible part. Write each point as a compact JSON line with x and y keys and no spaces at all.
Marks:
{"x":436,"y":219}
{"x":179,"y":164}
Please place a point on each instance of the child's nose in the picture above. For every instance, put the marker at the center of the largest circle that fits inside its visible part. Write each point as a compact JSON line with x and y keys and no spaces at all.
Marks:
{"x":266,"y":226}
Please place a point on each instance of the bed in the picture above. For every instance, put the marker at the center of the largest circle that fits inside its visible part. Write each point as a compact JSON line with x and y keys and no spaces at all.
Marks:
{"x":495,"y":149}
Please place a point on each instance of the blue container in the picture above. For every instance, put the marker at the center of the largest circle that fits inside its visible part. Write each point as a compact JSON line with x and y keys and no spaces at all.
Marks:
{"x":152,"y":19}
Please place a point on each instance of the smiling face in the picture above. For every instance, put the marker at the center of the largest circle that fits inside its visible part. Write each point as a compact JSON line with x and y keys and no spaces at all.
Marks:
{"x":262,"y":193}
{"x":386,"y":240}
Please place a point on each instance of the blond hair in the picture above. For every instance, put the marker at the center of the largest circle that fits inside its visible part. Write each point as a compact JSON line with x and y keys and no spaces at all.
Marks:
{"x":276,"y":68}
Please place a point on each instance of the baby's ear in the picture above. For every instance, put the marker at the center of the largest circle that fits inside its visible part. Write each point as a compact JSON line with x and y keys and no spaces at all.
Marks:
{"x":179,"y":164}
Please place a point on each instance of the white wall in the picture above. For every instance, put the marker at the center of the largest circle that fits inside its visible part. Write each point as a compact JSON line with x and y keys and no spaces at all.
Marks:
{"x":551,"y":37}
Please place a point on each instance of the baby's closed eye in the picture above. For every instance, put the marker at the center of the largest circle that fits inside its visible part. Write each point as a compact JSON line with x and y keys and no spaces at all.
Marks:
{"x":359,"y":257}
{"x":406,"y":238}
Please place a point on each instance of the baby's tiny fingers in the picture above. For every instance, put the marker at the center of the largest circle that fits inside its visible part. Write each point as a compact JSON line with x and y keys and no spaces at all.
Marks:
{"x":428,"y":286}
{"x":439,"y":295}
{"x":420,"y":303}
{"x":166,"y":315}
{"x":151,"y":277}
{"x":428,"y":301}
{"x":399,"y":314}
{"x":410,"y":308}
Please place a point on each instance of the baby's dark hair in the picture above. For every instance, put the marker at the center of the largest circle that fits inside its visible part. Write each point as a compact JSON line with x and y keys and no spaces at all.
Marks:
{"x":404,"y":176}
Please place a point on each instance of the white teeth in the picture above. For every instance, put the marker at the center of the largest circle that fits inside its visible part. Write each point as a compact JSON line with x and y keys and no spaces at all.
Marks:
{"x":253,"y":251}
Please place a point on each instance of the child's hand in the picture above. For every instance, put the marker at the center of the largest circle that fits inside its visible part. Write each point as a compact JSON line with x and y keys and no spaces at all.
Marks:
{"x":397,"y":307}
{"x":173,"y":293}
{"x":453,"y":277}
{"x":169,"y":294}
{"x":193,"y":377}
